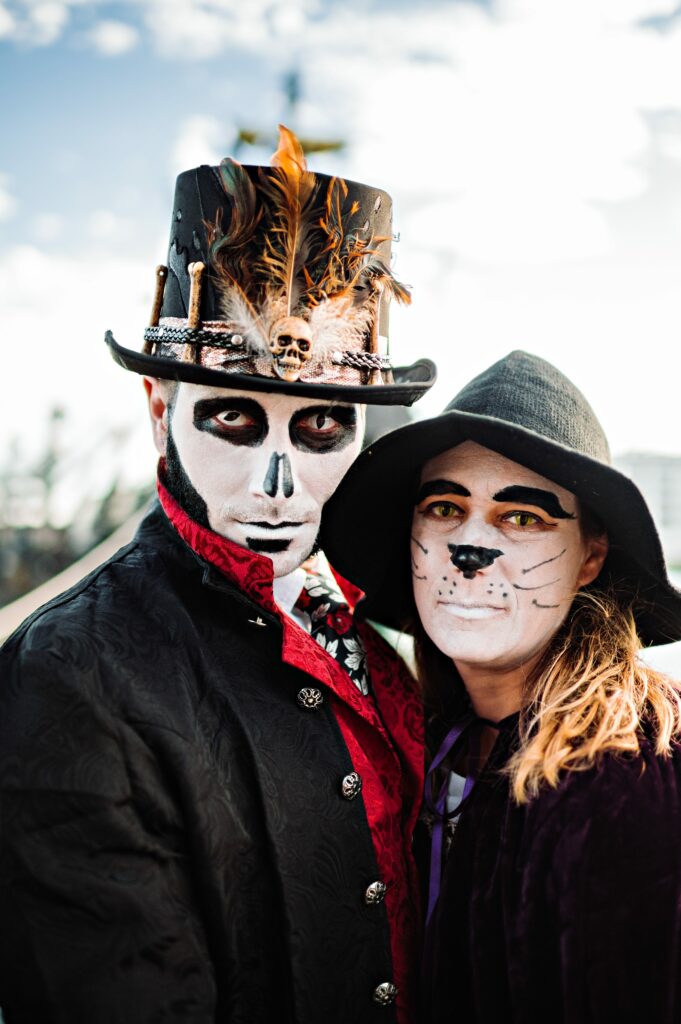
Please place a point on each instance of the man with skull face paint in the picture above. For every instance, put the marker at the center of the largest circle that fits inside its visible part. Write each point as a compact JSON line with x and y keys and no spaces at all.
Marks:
{"x":248,"y":465}
{"x":209,"y":773}
{"x":530,"y":572}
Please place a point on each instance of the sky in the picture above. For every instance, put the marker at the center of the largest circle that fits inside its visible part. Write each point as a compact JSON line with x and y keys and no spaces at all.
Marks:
{"x":532,"y":148}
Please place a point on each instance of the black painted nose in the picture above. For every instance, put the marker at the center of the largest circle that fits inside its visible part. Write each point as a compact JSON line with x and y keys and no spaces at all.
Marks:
{"x":469,"y":559}
{"x":278,"y":475}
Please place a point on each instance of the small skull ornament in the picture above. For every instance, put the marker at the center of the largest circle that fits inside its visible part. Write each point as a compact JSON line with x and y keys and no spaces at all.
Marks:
{"x":291,"y":346}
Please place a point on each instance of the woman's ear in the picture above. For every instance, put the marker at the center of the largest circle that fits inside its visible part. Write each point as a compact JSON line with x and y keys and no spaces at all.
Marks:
{"x":157,"y":398}
{"x":596,"y":553}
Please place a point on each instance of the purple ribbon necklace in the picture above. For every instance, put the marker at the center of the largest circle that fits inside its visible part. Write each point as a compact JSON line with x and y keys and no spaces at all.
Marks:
{"x":466,"y":730}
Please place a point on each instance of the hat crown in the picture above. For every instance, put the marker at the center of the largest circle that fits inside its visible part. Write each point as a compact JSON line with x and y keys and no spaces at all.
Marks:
{"x":202,"y":195}
{"x":525,"y":390}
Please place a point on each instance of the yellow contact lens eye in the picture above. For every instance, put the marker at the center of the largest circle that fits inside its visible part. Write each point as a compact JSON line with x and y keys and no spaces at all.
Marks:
{"x":523,"y":519}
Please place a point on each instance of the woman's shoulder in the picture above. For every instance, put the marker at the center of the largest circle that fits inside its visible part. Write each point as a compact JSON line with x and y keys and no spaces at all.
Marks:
{"x":605,"y":847}
{"x":624,"y":792}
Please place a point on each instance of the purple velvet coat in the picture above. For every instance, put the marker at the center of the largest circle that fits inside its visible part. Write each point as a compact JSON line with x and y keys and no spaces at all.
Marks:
{"x":566,"y":910}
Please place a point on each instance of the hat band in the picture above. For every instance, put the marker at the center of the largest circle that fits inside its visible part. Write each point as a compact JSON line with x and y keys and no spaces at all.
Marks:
{"x":211,"y":332}
{"x":217,"y":346}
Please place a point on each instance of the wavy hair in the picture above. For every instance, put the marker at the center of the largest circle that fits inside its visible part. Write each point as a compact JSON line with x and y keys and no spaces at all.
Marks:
{"x":589,"y":693}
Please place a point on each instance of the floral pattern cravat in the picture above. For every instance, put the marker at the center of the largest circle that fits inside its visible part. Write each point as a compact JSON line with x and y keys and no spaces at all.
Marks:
{"x":329,"y":621}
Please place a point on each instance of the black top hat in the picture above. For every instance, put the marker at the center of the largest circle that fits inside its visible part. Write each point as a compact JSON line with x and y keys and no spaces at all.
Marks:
{"x":278,"y":279}
{"x":525,"y":409}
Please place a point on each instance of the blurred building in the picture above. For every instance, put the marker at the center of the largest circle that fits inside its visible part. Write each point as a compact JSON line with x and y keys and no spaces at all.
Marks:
{"x":659,"y":477}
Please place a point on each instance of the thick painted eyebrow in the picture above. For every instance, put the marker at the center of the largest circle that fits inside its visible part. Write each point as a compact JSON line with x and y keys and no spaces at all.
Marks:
{"x":534,"y":496}
{"x":441,"y":487}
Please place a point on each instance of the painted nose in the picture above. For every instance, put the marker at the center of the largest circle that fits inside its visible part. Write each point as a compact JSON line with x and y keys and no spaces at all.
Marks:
{"x":279,"y":476}
{"x":469,"y":559}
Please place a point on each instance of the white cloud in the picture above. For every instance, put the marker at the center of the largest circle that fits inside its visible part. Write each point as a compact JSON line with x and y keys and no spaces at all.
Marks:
{"x":201,"y":140}
{"x":184,"y":29}
{"x":585,"y":12}
{"x":675,"y":213}
{"x":518,"y":228}
{"x":519,"y":126}
{"x":7,"y":23}
{"x":48,"y":226}
{"x":37,"y":22}
{"x":7,"y":201}
{"x":113,"y":38}
{"x":107,"y":226}
{"x":59,"y":308}
{"x":199,"y":29}
{"x":613,"y":330}
{"x":669,"y":142}
{"x":49,"y":19}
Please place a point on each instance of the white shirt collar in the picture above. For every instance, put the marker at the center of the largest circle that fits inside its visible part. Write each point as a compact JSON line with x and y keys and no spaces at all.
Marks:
{"x":287,"y":589}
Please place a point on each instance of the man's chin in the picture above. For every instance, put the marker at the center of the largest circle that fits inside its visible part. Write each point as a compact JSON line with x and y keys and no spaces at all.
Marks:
{"x":287,"y":552}
{"x":284,"y":562}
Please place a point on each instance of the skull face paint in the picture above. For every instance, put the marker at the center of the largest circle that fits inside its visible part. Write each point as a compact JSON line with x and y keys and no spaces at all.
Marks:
{"x":497,"y":557}
{"x":263,"y":465}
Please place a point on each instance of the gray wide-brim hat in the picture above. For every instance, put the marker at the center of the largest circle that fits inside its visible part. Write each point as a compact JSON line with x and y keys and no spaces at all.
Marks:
{"x":525,"y":409}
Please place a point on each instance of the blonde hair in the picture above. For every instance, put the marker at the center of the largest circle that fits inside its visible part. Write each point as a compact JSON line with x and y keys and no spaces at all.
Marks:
{"x":589,"y":694}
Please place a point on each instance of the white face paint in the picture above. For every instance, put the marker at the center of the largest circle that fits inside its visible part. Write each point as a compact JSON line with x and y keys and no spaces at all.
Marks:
{"x":264,"y":464}
{"x":497,"y":558}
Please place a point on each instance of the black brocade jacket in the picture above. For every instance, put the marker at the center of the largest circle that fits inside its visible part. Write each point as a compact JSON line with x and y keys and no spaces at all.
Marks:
{"x":566,"y":910}
{"x":174,"y":846}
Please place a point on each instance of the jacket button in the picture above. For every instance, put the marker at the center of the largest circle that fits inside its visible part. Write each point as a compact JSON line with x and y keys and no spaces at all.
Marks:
{"x":351,"y":785}
{"x":310,"y":698}
{"x":375,"y":893}
{"x":385,"y":993}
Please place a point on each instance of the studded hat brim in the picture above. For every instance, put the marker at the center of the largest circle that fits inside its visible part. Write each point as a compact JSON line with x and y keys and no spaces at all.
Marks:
{"x":411,"y":382}
{"x":367,"y":523}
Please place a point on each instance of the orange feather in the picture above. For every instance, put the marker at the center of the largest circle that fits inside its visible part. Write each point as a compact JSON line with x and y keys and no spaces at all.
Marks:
{"x":289,"y":155}
{"x":291,"y":190}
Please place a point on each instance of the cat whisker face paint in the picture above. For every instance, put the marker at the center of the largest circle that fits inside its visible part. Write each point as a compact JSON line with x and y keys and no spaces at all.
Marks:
{"x":497,"y":556}
{"x":258,"y":468}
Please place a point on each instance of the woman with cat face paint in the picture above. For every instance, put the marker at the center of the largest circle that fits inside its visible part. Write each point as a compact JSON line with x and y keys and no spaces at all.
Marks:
{"x":531,"y":573}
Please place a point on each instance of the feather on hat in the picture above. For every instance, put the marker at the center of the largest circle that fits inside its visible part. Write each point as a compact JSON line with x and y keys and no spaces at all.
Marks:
{"x":305,"y":279}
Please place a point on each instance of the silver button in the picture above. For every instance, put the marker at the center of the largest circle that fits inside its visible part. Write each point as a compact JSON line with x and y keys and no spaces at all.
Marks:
{"x":310,"y":698}
{"x":375,"y":893}
{"x":351,"y":785}
{"x":385,"y":993}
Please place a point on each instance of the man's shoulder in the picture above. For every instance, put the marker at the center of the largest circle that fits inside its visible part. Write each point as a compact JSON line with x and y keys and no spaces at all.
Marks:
{"x":89,"y":607}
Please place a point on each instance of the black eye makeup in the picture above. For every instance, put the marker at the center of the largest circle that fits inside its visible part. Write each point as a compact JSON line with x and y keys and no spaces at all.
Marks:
{"x":237,"y":420}
{"x":323,"y":428}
